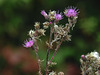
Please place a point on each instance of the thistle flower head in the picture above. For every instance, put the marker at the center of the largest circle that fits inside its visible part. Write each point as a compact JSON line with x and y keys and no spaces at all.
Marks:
{"x":58,"y":17}
{"x":28,"y":43}
{"x":71,"y":12}
{"x":44,"y":14}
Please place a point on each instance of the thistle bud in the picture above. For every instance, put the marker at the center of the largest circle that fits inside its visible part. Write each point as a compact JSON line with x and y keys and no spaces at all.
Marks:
{"x":83,"y":57}
{"x":44,"y":14}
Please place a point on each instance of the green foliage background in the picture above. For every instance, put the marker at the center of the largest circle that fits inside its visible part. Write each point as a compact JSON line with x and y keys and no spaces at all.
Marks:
{"x":17,"y":17}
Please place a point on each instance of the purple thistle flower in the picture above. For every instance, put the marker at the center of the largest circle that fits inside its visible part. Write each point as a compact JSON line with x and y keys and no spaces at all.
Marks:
{"x":71,"y":12}
{"x":58,"y":16}
{"x":44,"y":14}
{"x":28,"y":43}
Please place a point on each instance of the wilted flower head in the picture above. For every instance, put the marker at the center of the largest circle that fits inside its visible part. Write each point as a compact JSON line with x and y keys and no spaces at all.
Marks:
{"x":71,"y":12}
{"x":91,"y":65}
{"x":60,"y":73}
{"x":28,"y":43}
{"x":46,"y":25}
{"x":58,"y":16}
{"x":44,"y":14}
{"x":41,"y":32}
{"x":95,"y":54}
{"x":37,"y":25}
{"x":52,"y":15}
{"x":31,"y":33}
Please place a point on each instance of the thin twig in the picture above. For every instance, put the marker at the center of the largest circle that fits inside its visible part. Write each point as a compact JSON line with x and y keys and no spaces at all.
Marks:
{"x":55,"y":51}
{"x":85,"y":68}
{"x":38,"y":60}
{"x":56,"y":38}
{"x":51,"y":32}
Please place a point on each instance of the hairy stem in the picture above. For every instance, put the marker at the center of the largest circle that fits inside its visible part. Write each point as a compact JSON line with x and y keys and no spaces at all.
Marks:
{"x":47,"y":59}
{"x":38,"y":60}
{"x":85,"y":68}
{"x":55,"y":51}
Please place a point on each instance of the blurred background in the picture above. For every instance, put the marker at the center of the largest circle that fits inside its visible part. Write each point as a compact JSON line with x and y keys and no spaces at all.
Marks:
{"x":17,"y":17}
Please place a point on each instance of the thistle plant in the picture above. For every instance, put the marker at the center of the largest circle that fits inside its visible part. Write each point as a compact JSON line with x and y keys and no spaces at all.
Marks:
{"x":90,"y":64}
{"x":58,"y":34}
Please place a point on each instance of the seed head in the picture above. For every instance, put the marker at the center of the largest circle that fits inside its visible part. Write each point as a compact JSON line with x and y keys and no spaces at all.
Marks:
{"x":37,"y":25}
{"x":52,"y":15}
{"x":31,"y":33}
{"x":41,"y":31}
{"x":46,"y":25}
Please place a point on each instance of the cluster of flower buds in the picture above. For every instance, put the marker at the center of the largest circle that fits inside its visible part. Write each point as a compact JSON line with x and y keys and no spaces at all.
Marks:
{"x":60,"y":31}
{"x":54,"y":73}
{"x":52,"y":15}
{"x":34,"y":34}
{"x":90,"y":64}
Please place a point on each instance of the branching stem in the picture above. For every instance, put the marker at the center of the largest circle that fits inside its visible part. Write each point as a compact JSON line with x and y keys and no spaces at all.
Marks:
{"x":47,"y":59}
{"x":56,"y":51}
{"x":38,"y":60}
